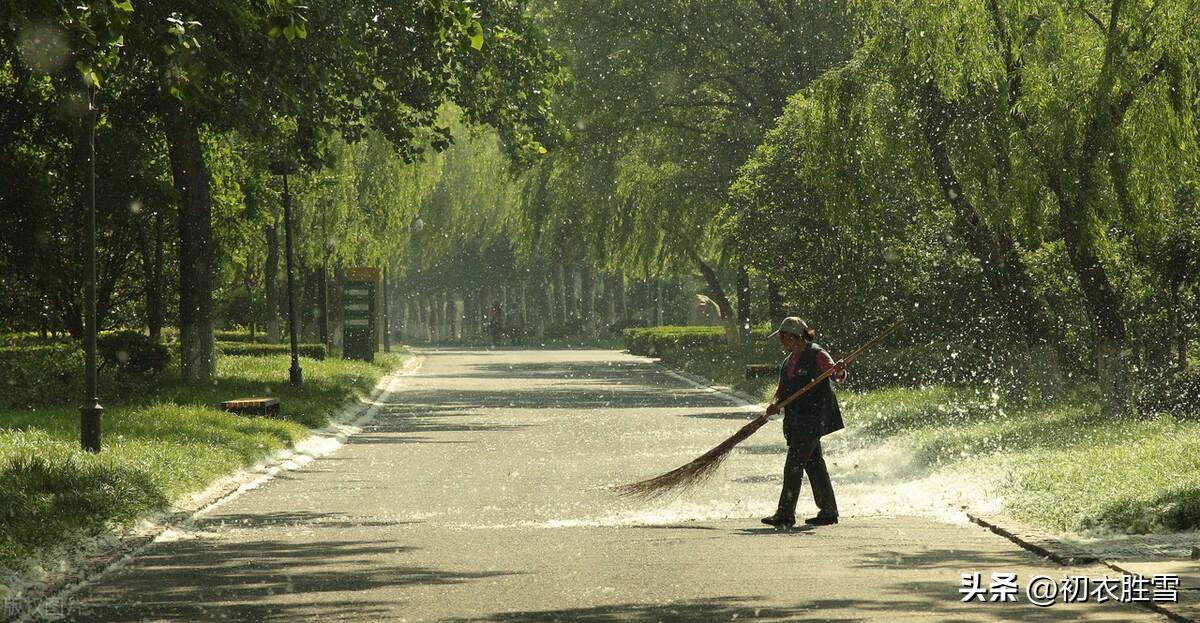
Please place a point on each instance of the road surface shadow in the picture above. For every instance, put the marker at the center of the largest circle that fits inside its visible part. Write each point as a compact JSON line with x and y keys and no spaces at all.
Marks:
{"x":799,"y":530}
{"x":723,"y":609}
{"x":265,"y":580}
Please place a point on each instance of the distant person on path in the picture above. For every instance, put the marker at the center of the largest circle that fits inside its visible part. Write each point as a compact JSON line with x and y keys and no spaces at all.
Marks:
{"x":805,"y":421}
{"x":495,"y":317}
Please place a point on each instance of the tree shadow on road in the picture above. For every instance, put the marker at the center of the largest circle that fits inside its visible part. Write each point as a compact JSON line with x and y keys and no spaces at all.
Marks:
{"x":723,"y":609}
{"x":265,"y":580}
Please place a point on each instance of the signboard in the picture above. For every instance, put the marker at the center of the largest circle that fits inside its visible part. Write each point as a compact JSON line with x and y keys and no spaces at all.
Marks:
{"x":360,"y":313}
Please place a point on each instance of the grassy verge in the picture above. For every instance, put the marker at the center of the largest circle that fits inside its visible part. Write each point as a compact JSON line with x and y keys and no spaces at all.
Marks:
{"x":1060,"y":466}
{"x":160,"y":443}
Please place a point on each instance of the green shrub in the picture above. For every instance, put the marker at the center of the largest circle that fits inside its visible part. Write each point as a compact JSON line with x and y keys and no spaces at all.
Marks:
{"x":131,"y":351}
{"x":656,"y":341}
{"x":42,"y":375}
{"x":240,"y":335}
{"x":312,"y":351}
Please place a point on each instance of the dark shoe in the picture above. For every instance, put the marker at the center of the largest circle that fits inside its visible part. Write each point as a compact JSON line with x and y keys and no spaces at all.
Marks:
{"x":779,"y":522}
{"x":820,"y":521}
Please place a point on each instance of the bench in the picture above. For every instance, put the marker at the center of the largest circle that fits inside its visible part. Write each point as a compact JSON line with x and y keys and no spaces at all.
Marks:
{"x":759,"y":370}
{"x":252,"y":406}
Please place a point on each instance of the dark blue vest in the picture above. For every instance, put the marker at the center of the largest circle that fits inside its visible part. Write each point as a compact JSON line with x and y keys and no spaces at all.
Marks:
{"x":816,"y":413}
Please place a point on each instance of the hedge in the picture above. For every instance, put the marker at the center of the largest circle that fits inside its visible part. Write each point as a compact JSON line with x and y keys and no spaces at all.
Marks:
{"x":240,"y":336}
{"x":312,"y":351}
{"x":656,"y":341}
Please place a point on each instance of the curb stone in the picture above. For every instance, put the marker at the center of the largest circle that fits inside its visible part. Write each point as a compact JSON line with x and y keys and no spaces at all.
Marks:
{"x":727,"y":391}
{"x":98,"y":558}
{"x":1156,"y":607}
{"x":1033,"y":539}
{"x":1063,"y":553}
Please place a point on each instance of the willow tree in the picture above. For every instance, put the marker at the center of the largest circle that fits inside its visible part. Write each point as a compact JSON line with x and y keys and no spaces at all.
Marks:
{"x":669,"y":98}
{"x":1103,"y":97}
{"x":988,"y":98}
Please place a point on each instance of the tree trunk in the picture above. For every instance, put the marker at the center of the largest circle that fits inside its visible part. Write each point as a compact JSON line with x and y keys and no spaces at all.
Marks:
{"x":743,"y":302}
{"x":524,"y":308}
{"x":197,"y":351}
{"x":152,"y":267}
{"x":1102,"y":303}
{"x":1071,"y":178}
{"x":1005,"y":273}
{"x":659,"y":304}
{"x":612,"y":290}
{"x":409,"y":328}
{"x":66,"y":278}
{"x":548,"y":299}
{"x":560,"y":291}
{"x":271,"y":284}
{"x":588,"y":303}
{"x":774,"y":303}
{"x":622,"y":297}
{"x":248,"y":283}
{"x":1181,"y":333}
{"x":323,"y":301}
{"x":573,"y":297}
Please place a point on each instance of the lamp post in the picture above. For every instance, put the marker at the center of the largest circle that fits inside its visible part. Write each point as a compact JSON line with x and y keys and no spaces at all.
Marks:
{"x":90,"y":411}
{"x":285,"y":168}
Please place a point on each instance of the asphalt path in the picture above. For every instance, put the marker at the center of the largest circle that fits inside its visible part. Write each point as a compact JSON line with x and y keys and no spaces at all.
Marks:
{"x":478,"y":493}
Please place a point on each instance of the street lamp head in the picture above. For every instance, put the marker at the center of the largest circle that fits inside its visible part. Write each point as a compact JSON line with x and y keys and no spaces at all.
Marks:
{"x":283,"y":167}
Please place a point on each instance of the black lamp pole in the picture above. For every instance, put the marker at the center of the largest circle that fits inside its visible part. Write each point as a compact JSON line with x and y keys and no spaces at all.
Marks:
{"x":284,"y":168}
{"x":90,"y":411}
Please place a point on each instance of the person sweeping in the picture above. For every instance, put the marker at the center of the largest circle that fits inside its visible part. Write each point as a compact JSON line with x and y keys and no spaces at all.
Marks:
{"x":805,"y":420}
{"x":811,"y":411}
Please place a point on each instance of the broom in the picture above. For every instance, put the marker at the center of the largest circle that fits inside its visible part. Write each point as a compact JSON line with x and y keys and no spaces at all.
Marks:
{"x":696,"y":472}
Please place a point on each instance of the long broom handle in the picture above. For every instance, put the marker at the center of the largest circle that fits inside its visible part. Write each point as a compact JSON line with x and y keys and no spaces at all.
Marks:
{"x":851,"y":357}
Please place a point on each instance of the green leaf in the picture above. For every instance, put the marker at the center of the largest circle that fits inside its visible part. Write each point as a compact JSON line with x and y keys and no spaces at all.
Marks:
{"x":475,"y":31}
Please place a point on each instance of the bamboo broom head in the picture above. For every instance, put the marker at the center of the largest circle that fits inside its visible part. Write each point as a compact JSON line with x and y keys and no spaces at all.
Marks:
{"x":692,"y":474}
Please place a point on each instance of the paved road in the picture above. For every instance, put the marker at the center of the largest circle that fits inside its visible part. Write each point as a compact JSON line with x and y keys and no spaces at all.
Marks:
{"x":477,"y":494}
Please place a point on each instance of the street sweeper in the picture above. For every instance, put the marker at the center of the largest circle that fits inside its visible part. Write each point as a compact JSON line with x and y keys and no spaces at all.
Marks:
{"x":810,"y":366}
{"x":805,"y":420}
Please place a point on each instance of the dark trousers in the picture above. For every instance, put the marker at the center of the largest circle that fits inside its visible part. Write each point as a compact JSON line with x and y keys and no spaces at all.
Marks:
{"x":804,"y":456}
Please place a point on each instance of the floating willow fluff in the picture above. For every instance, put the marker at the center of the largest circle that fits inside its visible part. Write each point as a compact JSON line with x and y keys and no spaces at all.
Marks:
{"x":696,"y":472}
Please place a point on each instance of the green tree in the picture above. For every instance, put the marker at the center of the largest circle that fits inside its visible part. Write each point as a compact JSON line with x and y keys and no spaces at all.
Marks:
{"x":669,"y":99}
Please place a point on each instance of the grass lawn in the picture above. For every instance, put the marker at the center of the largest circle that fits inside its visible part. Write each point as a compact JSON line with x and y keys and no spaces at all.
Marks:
{"x":1060,"y":466}
{"x":159,"y":443}
{"x":1064,"y":466}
